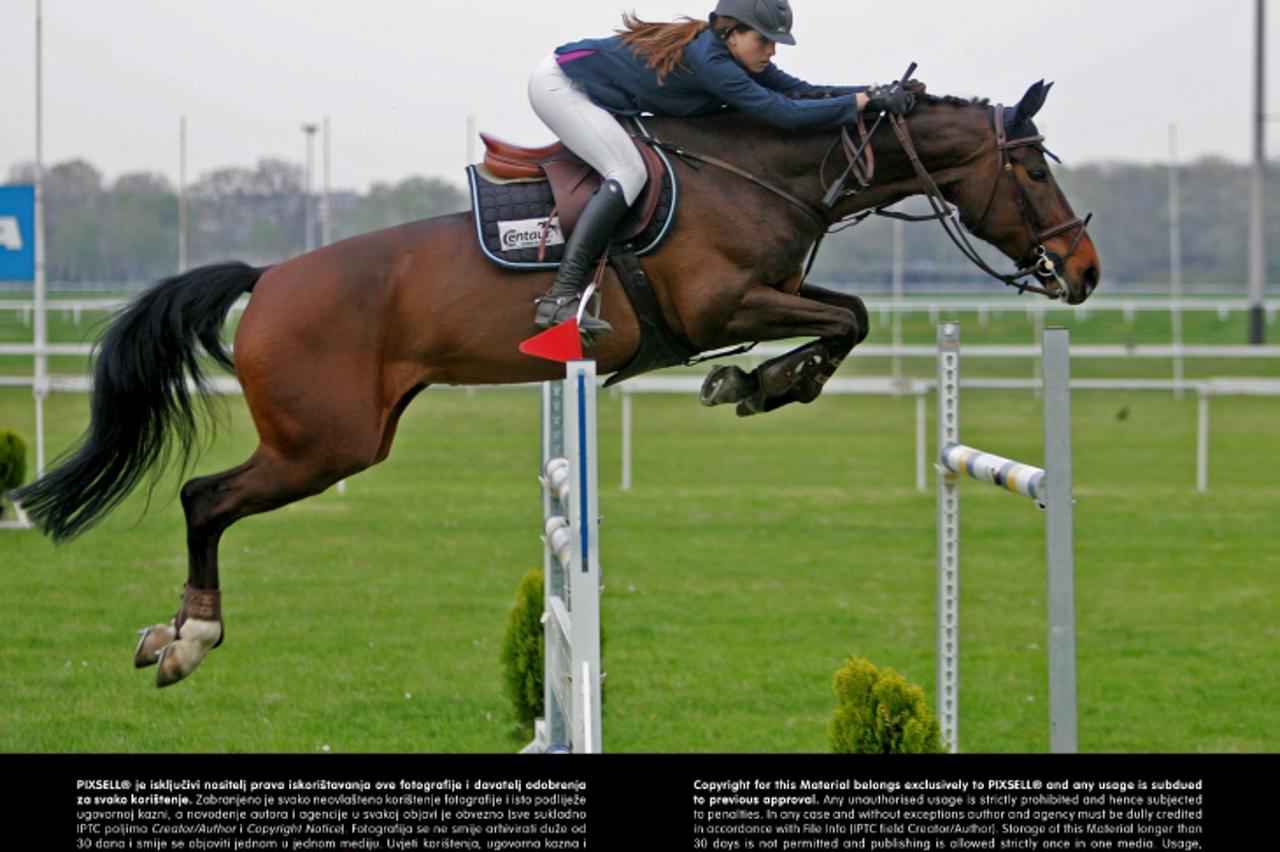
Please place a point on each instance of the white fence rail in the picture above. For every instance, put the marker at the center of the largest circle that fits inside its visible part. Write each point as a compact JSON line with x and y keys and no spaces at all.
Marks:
{"x":919,"y":388}
{"x":869,"y":350}
{"x":1223,"y":306}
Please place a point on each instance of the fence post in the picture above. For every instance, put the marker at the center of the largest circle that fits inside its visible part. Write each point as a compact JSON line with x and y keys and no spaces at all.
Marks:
{"x":1059,"y":542}
{"x":1051,"y":487}
{"x":571,"y":566}
{"x":948,"y":537}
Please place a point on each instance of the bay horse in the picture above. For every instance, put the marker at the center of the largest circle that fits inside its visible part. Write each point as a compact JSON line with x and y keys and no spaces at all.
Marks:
{"x":335,"y":343}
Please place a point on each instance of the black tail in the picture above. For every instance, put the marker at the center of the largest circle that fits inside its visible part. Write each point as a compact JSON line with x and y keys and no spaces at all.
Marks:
{"x":140,"y":393}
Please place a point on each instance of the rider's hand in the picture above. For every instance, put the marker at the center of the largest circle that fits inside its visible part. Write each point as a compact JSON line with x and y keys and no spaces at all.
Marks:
{"x":891,"y":98}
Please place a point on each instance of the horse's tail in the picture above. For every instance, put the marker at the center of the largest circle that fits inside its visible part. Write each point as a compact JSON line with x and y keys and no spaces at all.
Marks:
{"x":140,"y":393}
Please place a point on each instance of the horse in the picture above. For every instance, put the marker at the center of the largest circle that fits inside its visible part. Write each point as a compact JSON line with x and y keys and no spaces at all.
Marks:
{"x":334,"y":344}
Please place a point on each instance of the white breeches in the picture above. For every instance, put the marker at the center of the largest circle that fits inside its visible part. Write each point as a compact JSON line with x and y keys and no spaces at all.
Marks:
{"x":589,"y":131}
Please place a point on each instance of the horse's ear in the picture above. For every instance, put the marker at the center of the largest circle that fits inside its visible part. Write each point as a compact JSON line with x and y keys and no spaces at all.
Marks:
{"x":1032,"y":100}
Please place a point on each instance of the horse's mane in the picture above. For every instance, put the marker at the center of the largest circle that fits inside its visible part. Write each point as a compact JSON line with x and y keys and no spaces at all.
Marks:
{"x":950,"y":100}
{"x":737,"y":124}
{"x":1025,"y":127}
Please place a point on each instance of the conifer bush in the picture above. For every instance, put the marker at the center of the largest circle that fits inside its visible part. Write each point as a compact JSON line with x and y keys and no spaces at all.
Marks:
{"x":522,"y":650}
{"x":523,"y":647}
{"x":13,"y":463}
{"x":878,"y":712}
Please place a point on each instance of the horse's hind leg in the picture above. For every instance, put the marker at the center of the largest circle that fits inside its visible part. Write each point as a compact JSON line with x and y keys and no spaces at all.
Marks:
{"x":212,"y":503}
{"x":271,"y":478}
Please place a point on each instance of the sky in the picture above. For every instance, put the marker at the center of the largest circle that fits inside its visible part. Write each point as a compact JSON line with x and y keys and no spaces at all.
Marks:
{"x":400,"y":79}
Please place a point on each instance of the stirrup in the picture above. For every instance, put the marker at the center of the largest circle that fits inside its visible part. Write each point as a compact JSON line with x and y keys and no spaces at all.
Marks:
{"x":588,"y":322}
{"x":577,"y":303}
{"x":592,"y":327}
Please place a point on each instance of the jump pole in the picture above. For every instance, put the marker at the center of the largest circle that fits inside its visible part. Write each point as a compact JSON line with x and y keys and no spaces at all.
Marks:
{"x":571,"y":566}
{"x":1050,"y":487}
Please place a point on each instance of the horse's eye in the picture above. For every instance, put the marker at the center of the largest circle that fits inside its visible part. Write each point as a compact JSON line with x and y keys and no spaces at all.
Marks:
{"x":1039,"y":175}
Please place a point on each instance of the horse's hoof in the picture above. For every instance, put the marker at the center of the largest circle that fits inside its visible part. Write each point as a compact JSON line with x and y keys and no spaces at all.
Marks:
{"x":180,"y":658}
{"x":151,"y":640}
{"x":174,"y":663}
{"x":727,"y":383}
{"x":177,"y":660}
{"x":754,"y":404}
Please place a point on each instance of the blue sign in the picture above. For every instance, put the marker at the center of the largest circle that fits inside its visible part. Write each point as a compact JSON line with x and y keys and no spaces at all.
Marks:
{"x":17,"y":233}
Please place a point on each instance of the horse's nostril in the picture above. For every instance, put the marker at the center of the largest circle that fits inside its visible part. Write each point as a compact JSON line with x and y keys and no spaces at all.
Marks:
{"x":1090,"y":278}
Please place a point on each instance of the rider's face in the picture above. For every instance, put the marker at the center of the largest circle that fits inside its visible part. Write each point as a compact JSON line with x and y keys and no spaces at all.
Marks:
{"x":752,"y":50}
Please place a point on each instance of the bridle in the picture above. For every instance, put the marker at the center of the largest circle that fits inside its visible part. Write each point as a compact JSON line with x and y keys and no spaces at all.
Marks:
{"x":1039,"y":262}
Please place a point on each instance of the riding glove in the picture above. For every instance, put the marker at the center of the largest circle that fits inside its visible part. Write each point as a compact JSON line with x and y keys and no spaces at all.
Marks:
{"x":891,"y":98}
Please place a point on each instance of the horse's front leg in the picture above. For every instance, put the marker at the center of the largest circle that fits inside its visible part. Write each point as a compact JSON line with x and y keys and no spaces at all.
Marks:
{"x":838,"y":320}
{"x":799,"y":375}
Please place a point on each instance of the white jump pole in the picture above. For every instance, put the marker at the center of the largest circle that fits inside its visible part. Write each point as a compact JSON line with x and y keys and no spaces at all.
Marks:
{"x":1202,"y":442}
{"x":1051,"y":488}
{"x":571,"y":566}
{"x":626,"y":442}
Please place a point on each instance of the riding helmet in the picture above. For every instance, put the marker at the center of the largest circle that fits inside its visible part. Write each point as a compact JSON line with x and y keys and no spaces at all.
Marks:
{"x":772,"y":18}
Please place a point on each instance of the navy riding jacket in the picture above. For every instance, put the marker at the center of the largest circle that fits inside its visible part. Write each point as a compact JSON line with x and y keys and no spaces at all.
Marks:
{"x":617,"y":79}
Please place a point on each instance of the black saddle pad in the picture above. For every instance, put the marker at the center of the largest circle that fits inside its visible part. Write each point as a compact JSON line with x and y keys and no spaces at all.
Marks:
{"x":511,"y":217}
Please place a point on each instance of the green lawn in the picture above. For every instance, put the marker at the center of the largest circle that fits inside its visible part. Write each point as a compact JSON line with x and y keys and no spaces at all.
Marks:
{"x":749,"y":560}
{"x":751,"y":557}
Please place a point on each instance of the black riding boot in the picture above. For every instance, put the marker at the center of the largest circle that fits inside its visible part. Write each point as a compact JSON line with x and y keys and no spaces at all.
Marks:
{"x":588,"y":241}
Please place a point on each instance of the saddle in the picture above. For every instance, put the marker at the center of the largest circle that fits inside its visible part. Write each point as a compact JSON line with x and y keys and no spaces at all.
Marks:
{"x":573,"y":181}
{"x":517,"y":195}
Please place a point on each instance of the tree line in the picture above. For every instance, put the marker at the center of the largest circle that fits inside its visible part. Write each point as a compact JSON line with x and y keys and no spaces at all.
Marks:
{"x":126,"y":230}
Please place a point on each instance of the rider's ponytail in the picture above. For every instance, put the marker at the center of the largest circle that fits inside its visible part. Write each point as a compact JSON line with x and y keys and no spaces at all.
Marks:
{"x":662,"y":44}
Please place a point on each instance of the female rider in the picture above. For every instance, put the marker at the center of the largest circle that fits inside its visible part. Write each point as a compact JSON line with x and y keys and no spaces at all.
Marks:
{"x":686,"y":68}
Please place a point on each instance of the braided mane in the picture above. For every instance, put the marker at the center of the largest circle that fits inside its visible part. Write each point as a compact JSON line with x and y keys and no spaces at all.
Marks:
{"x":923,"y":97}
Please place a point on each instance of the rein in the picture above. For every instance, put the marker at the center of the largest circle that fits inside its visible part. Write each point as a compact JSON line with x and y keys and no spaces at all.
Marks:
{"x":690,"y":157}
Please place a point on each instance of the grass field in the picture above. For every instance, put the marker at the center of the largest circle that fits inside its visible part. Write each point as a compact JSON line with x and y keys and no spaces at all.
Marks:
{"x":749,"y":560}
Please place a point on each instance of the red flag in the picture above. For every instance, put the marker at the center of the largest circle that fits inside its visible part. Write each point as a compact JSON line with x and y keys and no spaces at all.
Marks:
{"x":559,"y":343}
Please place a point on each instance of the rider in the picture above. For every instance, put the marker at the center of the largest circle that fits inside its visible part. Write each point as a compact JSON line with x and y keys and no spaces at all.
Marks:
{"x":685,"y":68}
